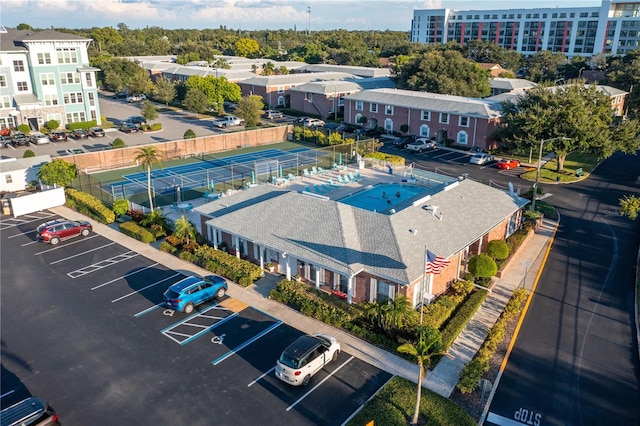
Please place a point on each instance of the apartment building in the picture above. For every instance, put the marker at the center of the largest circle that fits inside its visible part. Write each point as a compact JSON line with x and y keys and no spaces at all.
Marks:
{"x":45,"y":75}
{"x":611,"y":28}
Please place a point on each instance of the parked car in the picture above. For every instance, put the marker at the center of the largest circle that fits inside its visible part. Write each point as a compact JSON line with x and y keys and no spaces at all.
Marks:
{"x":305,"y":357}
{"x":404,"y":141}
{"x":313,"y":122}
{"x":421,"y":145}
{"x":136,"y":119}
{"x":272,"y":114}
{"x":189,"y":292}
{"x":29,"y":412}
{"x":79,"y":134}
{"x":507,"y":164}
{"x":301,"y":120}
{"x":73,"y":151}
{"x":229,"y":106}
{"x":5,"y":141}
{"x":54,"y":231}
{"x":38,"y":138}
{"x":374,"y":132}
{"x":58,"y":136}
{"x":347,"y":128}
{"x":120,"y":95}
{"x":19,"y":139}
{"x":481,"y":158}
{"x":96,"y":132}
{"x":228,"y":120}
{"x":127,"y":127}
{"x":136,"y":98}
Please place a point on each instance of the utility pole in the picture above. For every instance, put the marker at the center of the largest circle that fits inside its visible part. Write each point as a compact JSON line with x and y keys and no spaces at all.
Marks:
{"x":309,"y":20}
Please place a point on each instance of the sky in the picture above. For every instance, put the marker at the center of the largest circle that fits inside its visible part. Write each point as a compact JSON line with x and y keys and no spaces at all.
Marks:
{"x":315,"y":15}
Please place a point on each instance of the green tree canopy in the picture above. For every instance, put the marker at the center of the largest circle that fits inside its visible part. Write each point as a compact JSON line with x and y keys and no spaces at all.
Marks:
{"x":149,"y":110}
{"x":250,"y":109}
{"x":147,"y":157}
{"x":630,"y":206}
{"x":247,"y":48}
{"x":545,"y":66}
{"x":196,"y":101}
{"x":573,"y":117}
{"x":184,"y":229}
{"x":482,"y":266}
{"x":164,"y":90}
{"x":446,"y":72}
{"x":57,"y":172}
{"x":624,"y":73}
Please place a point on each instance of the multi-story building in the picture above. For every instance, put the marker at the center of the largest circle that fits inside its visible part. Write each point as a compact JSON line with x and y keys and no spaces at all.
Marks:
{"x":45,"y":75}
{"x":611,"y":28}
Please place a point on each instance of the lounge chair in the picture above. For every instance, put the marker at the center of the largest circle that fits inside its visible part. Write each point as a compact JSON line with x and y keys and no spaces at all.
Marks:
{"x":306,"y":173}
{"x":352,"y":177}
{"x":291,"y":177}
{"x":358,"y":175}
{"x":342,"y":180}
{"x":333,"y":184}
{"x":326,"y":187}
{"x":307,"y":189}
{"x":318,"y":190}
{"x":315,"y":170}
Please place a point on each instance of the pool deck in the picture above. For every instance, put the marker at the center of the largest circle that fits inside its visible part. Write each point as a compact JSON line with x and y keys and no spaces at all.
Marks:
{"x":369,"y":177}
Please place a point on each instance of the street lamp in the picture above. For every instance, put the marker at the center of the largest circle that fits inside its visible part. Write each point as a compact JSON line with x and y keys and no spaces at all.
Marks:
{"x":535,"y":185}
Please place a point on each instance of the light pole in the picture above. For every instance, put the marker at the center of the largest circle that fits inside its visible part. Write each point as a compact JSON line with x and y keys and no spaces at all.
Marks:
{"x":535,"y":185}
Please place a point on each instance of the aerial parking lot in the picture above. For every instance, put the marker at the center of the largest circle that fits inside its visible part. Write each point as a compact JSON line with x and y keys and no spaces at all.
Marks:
{"x":85,"y":328}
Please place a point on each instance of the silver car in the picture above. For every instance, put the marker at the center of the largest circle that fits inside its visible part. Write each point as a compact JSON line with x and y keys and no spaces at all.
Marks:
{"x":38,"y":138}
{"x":305,"y":357}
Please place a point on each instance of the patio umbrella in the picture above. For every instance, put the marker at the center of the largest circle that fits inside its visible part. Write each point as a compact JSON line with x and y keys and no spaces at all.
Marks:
{"x":253,"y":177}
{"x":212,"y":185}
{"x":340,"y":159}
{"x":178,"y":195}
{"x":280,"y":171}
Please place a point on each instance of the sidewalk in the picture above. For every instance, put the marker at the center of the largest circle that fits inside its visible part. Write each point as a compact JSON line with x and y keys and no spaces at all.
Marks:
{"x":444,"y":376}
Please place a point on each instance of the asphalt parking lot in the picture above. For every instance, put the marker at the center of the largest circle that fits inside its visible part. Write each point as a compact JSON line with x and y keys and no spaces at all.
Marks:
{"x":83,"y":327}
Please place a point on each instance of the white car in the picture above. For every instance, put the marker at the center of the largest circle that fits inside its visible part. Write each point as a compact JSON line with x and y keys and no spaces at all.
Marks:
{"x":271,"y":114}
{"x":313,"y":122}
{"x":38,"y":138}
{"x":136,"y":98}
{"x":228,"y":120}
{"x":421,"y":145}
{"x":481,"y":158}
{"x":305,"y":357}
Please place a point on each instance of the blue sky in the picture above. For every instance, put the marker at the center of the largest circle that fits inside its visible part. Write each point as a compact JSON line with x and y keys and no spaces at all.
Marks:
{"x":244,"y":14}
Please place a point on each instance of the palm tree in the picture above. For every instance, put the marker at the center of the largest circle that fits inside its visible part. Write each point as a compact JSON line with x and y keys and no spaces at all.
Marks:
{"x":429,"y":345}
{"x":148,"y":156}
{"x":184,"y":229}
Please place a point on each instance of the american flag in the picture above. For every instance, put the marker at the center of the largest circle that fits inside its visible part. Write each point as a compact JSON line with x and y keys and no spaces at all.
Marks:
{"x":435,"y":263}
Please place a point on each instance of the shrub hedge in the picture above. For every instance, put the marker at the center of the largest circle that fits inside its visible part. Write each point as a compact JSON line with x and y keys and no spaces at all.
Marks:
{"x":136,"y":231}
{"x":459,"y":321}
{"x":90,"y":205}
{"x":238,"y":270}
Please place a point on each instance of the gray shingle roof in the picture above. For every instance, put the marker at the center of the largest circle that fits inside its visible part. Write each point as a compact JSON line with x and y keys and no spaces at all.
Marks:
{"x":289,"y":79}
{"x":344,"y":86}
{"x":347,"y":239}
{"x":23,"y":163}
{"x":511,"y":83}
{"x":471,"y":107}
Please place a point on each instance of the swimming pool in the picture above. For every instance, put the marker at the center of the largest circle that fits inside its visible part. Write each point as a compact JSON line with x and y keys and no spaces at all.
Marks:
{"x":384,"y":197}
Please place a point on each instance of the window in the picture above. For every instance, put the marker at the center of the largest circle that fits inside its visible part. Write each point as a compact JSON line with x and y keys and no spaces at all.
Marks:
{"x":281,"y":101}
{"x":463,"y":121}
{"x":373,"y":107}
{"x":47,"y":79}
{"x":444,"y":118}
{"x":280,"y":89}
{"x":69,"y":78}
{"x":44,"y":58}
{"x":22,"y":86}
{"x":67,"y":56}
{"x":74,"y":117}
{"x":386,"y":291}
{"x":8,"y":178}
{"x":89,"y":79}
{"x":388,"y":125}
{"x":73,"y":98}
{"x":51,"y":100}
{"x":462,"y":137}
{"x":18,"y":65}
{"x":56,"y":117}
{"x":424,"y":131}
{"x":3,"y":81}
{"x":425,"y":115}
{"x":359,"y":106}
{"x":5,"y":101}
{"x":92,"y":101}
{"x":388,"y":109}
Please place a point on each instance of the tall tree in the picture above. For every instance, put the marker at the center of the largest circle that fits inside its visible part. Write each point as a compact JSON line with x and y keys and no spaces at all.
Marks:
{"x":57,"y":172}
{"x":573,"y":117}
{"x":446,"y":72}
{"x":196,"y":101}
{"x":545,"y":66}
{"x":184,"y":229}
{"x":429,"y":344}
{"x":149,"y":110}
{"x":165,"y":90}
{"x":147,"y":157}
{"x":250,"y":109}
{"x":624,"y":74}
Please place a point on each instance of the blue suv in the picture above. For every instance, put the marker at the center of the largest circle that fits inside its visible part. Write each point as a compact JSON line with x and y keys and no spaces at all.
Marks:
{"x":189,"y":292}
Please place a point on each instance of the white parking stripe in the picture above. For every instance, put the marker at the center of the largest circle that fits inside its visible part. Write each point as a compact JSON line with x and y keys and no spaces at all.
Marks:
{"x":21,"y":234}
{"x":144,"y":288}
{"x":102,"y":264}
{"x":146,"y":311}
{"x":261,"y":376}
{"x":318,"y":385}
{"x":7,"y":393}
{"x":124,"y":276}
{"x":67,"y":244}
{"x":29,"y":243}
{"x":80,"y":254}
{"x":247,"y":343}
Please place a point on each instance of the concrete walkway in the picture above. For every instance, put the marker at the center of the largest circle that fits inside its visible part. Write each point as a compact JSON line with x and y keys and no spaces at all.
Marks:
{"x":522,"y":270}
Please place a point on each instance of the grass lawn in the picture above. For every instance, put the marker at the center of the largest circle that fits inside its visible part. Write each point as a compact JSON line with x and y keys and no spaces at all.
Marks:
{"x":395,"y":403}
{"x":574,"y":161}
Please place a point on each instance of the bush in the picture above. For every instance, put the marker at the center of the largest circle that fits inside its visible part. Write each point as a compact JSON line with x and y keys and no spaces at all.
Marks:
{"x":482,"y":266}
{"x":238,"y":270}
{"x":497,"y":249}
{"x":515,"y":240}
{"x":88,"y":204}
{"x":189,"y":134}
{"x":120,"y":207}
{"x":155,"y":127}
{"x":136,"y":231}
{"x":118,"y":143}
{"x":471,"y":375}
{"x":166,"y":247}
{"x":28,"y":153}
{"x":82,"y":125}
{"x":24,"y":128}
{"x":458,"y":322}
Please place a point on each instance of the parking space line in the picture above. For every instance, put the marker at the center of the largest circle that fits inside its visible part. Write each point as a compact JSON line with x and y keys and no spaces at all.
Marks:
{"x":21,"y":234}
{"x":200,"y":333}
{"x":318,"y":385}
{"x":102,"y":264}
{"x":67,"y":244}
{"x":144,"y":288}
{"x":245,"y":344}
{"x":29,"y":243}
{"x":261,"y":376}
{"x":22,"y":222}
{"x":80,"y":254}
{"x":7,"y":393}
{"x":124,"y":276}
{"x":146,"y":311}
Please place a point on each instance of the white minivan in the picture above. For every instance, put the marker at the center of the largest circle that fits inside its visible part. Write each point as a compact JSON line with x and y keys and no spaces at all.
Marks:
{"x":305,"y":357}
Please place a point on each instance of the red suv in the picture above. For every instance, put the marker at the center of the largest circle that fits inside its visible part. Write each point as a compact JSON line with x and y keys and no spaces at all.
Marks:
{"x":57,"y":230}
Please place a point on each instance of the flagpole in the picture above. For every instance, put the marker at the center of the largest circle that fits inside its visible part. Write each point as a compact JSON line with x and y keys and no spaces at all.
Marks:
{"x":424,"y":273}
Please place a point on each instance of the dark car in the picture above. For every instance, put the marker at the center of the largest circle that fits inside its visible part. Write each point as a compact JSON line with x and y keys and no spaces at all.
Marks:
{"x":5,"y":141}
{"x":120,"y":95}
{"x":189,"y":292}
{"x":54,"y":231}
{"x":128,"y":127}
{"x":58,"y":136}
{"x":404,"y":141}
{"x":79,"y":134}
{"x":96,"y":132}
{"x":136,"y":119}
{"x":29,"y":412}
{"x":374,"y":133}
{"x":19,"y":139}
